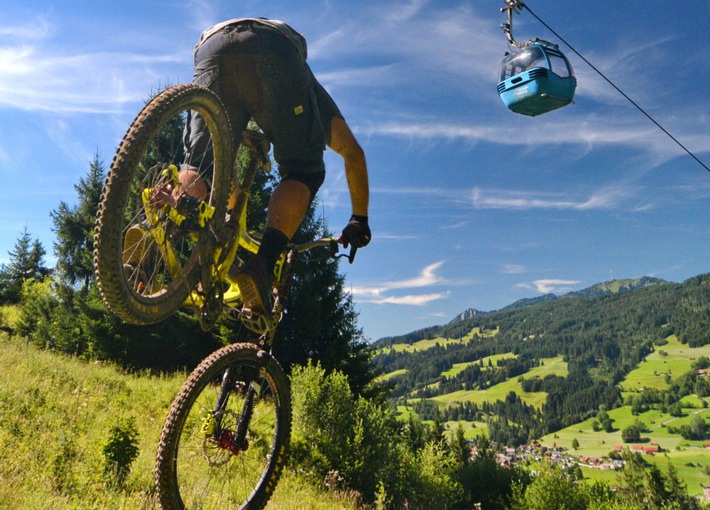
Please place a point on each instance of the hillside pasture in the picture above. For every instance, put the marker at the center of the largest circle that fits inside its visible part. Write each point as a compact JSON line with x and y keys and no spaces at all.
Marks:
{"x":554,"y":366}
{"x":391,"y":375}
{"x":673,"y":359}
{"x":423,"y":345}
{"x":689,"y":457}
{"x":55,"y":416}
{"x":484,"y":362}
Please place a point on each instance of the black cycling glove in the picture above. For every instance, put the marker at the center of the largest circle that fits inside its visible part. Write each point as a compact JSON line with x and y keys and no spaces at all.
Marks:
{"x":357,"y":232}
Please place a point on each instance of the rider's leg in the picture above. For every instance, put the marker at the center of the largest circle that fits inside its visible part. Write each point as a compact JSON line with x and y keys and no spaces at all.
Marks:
{"x":287,"y":207}
{"x":136,"y":240}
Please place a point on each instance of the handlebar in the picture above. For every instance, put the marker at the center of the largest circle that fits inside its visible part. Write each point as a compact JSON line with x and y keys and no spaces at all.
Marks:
{"x":333,"y":244}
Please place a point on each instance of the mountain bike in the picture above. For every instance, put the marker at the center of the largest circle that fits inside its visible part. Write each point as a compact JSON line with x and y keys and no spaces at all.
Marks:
{"x":224,"y":441}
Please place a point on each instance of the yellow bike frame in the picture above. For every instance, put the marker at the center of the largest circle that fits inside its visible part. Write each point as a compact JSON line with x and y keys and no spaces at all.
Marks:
{"x":221,"y":264}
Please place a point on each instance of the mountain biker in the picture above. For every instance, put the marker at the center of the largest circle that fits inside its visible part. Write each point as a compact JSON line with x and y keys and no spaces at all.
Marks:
{"x":258,"y":68}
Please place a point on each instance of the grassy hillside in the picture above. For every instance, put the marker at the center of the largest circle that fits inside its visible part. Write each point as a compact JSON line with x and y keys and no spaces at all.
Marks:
{"x":554,"y":366}
{"x":673,"y":360}
{"x":423,"y":345}
{"x":55,"y":416}
{"x":689,"y":457}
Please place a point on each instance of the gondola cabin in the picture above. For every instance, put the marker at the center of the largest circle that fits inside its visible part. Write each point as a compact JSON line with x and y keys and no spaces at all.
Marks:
{"x":536,"y":79}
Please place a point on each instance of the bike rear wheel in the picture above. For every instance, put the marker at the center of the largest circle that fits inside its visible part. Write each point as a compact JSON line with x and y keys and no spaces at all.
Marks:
{"x":146,"y":264}
{"x":201,"y":463}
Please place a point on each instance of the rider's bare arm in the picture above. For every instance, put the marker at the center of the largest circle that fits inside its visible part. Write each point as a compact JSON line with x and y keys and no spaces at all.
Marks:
{"x":344,"y":143}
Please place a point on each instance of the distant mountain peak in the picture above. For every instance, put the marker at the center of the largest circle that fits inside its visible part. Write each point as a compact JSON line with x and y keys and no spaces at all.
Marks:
{"x":469,"y":313}
{"x":597,"y":290}
{"x":616,"y":286}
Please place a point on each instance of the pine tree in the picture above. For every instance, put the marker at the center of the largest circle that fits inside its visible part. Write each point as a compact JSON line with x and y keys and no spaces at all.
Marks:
{"x":657,"y":493}
{"x":677,"y":490}
{"x":26,"y":263}
{"x":459,"y":446}
{"x":633,"y":479}
{"x":74,"y":226}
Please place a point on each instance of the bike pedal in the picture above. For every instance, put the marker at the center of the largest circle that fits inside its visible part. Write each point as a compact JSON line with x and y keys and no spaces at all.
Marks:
{"x":256,"y":322}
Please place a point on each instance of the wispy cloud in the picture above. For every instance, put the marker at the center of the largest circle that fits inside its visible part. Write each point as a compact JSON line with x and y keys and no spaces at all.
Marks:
{"x":379,"y":294}
{"x":546,"y":286}
{"x":410,"y":300}
{"x":427,"y":35}
{"x":80,"y":83}
{"x":589,"y":132}
{"x":39,"y":73}
{"x":39,"y":29}
{"x":604,"y":198}
{"x":513,"y":269}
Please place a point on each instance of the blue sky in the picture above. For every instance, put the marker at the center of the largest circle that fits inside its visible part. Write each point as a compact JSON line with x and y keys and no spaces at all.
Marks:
{"x":472,"y":205}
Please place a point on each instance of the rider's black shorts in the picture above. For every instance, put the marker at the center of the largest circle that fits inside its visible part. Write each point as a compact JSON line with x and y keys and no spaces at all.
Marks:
{"x":259,"y":74}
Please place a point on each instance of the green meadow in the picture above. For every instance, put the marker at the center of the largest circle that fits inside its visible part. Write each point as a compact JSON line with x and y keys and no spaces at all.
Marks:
{"x":668,"y":361}
{"x":423,"y":345}
{"x":689,"y":457}
{"x":484,"y":362}
{"x":555,"y":366}
{"x":56,"y":414}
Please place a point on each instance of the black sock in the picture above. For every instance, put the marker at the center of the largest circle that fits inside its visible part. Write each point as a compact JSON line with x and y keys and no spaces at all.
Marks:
{"x":272,"y":244}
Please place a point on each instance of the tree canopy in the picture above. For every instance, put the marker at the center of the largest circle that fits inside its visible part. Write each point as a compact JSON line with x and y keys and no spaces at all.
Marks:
{"x":26,"y":263}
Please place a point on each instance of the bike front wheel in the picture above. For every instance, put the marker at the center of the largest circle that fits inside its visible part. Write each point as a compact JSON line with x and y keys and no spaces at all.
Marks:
{"x":146,"y":262}
{"x":224,"y":441}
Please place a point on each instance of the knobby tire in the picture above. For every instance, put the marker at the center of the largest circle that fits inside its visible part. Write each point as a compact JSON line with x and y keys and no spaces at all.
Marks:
{"x":193,"y":470}
{"x":149,"y":293}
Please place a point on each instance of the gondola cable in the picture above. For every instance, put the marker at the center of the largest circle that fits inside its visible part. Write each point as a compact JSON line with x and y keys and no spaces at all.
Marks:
{"x":688,"y":151}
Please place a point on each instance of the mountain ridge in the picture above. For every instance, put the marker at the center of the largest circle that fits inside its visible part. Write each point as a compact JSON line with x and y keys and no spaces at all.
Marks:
{"x":597,"y":290}
{"x":600,"y":334}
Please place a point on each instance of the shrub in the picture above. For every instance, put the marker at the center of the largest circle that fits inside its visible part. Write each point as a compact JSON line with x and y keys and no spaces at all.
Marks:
{"x":120,"y":450}
{"x":335,"y":432}
{"x":631,"y":434}
{"x":552,"y":488}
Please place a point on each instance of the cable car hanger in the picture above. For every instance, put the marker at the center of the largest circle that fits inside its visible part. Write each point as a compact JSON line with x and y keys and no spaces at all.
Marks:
{"x":513,"y":6}
{"x":516,"y":6}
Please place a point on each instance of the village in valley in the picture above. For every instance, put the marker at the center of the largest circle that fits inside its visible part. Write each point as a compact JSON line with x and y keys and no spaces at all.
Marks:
{"x":533,"y":452}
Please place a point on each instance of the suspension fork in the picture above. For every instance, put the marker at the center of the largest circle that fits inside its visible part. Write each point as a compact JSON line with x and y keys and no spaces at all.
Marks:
{"x":238,"y":440}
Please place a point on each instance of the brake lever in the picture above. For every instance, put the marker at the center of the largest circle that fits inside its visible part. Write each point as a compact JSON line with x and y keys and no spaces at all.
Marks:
{"x":334,"y":248}
{"x":351,"y":255}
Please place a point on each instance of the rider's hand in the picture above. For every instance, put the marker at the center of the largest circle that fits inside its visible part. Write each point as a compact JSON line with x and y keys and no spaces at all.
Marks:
{"x":162,"y":196}
{"x":357,"y":232}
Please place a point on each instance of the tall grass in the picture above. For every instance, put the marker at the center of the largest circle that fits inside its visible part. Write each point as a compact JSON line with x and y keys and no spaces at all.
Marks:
{"x":56,"y":414}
